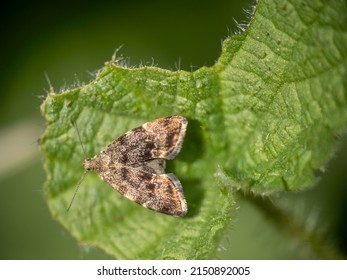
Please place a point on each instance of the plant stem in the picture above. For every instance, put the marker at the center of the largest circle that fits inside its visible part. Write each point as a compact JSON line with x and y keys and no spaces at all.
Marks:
{"x":309,"y":240}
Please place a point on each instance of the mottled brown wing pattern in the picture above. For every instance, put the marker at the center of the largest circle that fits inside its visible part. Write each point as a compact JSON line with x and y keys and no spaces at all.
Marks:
{"x":134,"y":165}
{"x":162,"y":193}
{"x":161,"y":138}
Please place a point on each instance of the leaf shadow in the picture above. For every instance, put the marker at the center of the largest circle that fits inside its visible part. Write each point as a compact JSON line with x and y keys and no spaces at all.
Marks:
{"x":193,"y":147}
{"x":194,"y":195}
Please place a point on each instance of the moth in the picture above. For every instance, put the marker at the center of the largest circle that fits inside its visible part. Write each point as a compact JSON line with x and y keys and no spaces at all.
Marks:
{"x":134,"y":165}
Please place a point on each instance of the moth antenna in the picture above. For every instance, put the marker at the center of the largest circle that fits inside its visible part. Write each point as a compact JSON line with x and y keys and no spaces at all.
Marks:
{"x":79,"y":138}
{"x":76,"y":190}
{"x":85,"y":171}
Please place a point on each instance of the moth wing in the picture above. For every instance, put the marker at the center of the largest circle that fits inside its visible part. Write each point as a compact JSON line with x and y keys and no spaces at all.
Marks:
{"x":161,"y":138}
{"x":159,"y":192}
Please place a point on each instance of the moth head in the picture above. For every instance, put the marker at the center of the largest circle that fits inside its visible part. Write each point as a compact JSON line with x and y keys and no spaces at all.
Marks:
{"x":87,"y":164}
{"x":92,"y":164}
{"x":98,"y":163}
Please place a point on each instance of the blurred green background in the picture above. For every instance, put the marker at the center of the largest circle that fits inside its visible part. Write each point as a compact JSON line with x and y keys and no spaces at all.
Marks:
{"x":69,"y":41}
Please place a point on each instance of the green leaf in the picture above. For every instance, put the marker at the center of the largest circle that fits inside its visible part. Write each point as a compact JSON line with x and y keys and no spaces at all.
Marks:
{"x":265,"y":117}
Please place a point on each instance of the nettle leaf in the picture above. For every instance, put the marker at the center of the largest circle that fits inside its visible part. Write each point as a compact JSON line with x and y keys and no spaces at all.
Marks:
{"x":265,"y":117}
